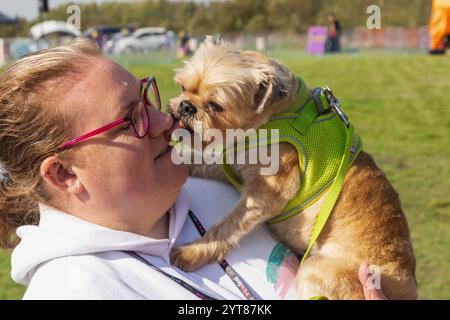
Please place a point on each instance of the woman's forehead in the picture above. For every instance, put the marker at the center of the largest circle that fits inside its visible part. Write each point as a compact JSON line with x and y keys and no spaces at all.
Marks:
{"x":121,"y":88}
{"x":102,"y":92}
{"x":118,"y":82}
{"x":121,"y":75}
{"x":116,"y":76}
{"x":104,"y":80}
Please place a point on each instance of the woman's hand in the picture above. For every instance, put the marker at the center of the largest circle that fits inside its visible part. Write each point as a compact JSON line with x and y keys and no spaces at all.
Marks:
{"x":369,"y":293}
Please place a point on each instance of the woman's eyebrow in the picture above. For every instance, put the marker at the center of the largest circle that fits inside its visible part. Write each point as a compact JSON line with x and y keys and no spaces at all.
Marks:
{"x":127,"y":106}
{"x":132,"y":103}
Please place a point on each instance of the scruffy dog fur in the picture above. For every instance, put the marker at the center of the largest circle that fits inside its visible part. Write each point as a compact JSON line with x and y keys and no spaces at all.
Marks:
{"x":228,"y":88}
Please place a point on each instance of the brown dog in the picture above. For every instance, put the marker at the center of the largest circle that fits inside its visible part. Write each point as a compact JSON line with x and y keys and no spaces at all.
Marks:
{"x":227,"y":89}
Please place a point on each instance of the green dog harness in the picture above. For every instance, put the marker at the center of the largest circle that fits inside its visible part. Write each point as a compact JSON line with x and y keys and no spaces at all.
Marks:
{"x":326,"y":144}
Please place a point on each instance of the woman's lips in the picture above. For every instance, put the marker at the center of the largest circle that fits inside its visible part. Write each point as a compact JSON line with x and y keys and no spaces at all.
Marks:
{"x":166,"y":151}
{"x":168,"y":135}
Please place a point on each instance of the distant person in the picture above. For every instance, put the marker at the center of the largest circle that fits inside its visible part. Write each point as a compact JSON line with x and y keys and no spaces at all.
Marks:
{"x":183,"y":50}
{"x":170,"y":40}
{"x":334,"y":33}
{"x":95,"y":37}
{"x":440,"y":27}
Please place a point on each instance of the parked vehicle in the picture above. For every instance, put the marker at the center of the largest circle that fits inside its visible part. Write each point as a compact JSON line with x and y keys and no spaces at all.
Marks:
{"x":104,"y":35}
{"x":43,"y":35}
{"x":142,"y":40}
{"x":53,"y":27}
{"x":20,"y":47}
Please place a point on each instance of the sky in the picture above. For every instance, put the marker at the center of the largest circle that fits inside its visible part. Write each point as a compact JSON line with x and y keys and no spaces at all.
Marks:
{"x":28,"y":9}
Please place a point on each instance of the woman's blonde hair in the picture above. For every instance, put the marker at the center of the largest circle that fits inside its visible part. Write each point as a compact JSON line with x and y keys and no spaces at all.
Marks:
{"x":32,"y":128}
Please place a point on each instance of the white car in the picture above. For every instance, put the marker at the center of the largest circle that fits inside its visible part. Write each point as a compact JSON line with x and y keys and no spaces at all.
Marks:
{"x":142,"y":40}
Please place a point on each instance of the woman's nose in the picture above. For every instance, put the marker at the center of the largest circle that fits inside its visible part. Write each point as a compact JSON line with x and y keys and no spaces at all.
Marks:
{"x":160,"y":122}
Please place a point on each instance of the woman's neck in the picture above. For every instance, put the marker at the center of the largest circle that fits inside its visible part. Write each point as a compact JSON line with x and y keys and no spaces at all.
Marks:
{"x":142,"y":226}
{"x":160,"y":229}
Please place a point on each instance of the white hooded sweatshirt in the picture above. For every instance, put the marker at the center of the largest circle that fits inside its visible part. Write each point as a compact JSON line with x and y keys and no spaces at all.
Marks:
{"x":65,"y":257}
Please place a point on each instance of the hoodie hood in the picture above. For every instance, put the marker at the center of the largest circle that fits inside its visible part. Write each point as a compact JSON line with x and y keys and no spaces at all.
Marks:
{"x":60,"y":235}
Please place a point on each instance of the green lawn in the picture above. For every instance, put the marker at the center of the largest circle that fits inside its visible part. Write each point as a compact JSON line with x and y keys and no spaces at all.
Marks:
{"x":400,"y":105}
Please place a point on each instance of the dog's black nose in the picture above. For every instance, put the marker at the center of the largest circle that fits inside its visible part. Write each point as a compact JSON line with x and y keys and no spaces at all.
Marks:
{"x":187,"y":108}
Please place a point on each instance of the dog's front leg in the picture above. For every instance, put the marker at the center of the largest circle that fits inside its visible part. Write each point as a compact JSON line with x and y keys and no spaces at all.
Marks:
{"x":262,"y":198}
{"x":250,"y":212}
{"x":210,"y":171}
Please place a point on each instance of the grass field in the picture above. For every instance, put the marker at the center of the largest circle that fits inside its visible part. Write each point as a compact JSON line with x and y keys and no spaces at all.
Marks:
{"x":400,"y":105}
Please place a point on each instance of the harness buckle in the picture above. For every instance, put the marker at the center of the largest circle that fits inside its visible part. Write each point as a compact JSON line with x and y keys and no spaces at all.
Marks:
{"x":335,"y":104}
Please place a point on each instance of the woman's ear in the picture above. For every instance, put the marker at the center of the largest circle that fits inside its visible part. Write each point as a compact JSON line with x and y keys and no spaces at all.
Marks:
{"x":59,"y":175}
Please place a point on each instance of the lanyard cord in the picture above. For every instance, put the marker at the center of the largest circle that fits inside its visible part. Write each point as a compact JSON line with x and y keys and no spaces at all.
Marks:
{"x":229,"y":271}
{"x":182,"y":283}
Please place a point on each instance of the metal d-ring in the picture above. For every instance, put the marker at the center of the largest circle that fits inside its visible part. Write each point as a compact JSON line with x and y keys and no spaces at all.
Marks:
{"x":336,"y":105}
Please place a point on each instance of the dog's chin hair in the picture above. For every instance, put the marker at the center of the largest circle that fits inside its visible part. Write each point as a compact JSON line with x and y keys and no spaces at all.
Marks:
{"x":191,"y":125}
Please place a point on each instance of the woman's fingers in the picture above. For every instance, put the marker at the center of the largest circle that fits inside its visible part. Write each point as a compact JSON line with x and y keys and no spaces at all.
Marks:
{"x":370,"y":292}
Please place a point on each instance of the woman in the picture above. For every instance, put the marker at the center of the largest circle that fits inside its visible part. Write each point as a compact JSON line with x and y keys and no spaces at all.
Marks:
{"x":95,"y":198}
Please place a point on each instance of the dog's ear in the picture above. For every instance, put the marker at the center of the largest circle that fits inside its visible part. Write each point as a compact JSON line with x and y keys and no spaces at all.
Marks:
{"x":272,"y":80}
{"x":271,"y":89}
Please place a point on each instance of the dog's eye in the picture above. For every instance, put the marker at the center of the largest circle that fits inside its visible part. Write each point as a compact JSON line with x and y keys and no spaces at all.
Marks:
{"x":183,"y":88}
{"x":215,"y":106}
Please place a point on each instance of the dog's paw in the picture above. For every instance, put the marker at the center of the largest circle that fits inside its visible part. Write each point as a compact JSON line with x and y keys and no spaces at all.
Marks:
{"x":190,"y":257}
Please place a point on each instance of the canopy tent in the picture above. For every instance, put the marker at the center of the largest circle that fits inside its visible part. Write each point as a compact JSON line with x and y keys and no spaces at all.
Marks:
{"x":6,"y":20}
{"x":439,"y":24}
{"x":53,"y":27}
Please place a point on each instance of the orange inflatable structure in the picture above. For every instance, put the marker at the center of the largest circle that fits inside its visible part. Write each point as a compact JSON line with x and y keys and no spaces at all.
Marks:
{"x":439,"y":24}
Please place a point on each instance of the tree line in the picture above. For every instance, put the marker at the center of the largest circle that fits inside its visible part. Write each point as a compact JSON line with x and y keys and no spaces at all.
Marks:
{"x":252,"y":16}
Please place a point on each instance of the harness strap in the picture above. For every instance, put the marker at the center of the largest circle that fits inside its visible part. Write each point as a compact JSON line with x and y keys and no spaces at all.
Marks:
{"x":305,"y":116}
{"x":333,"y":194}
{"x":321,"y":101}
{"x":300,"y":98}
{"x":309,"y":112}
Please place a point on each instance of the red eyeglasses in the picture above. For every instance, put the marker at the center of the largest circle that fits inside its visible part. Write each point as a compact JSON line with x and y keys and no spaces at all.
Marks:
{"x":138,"y":118}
